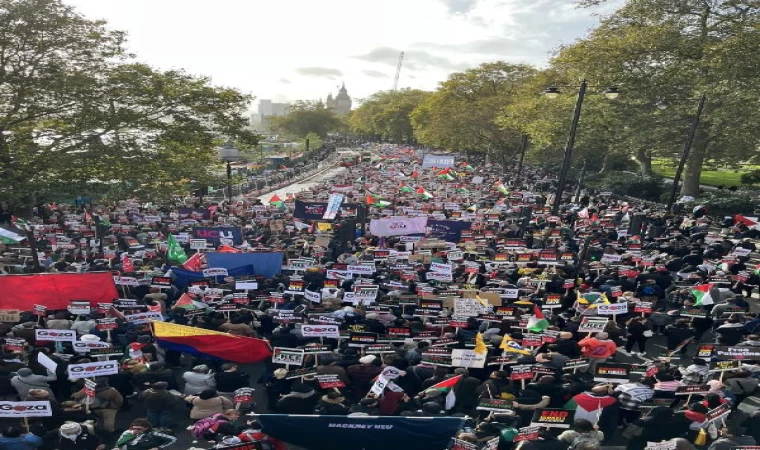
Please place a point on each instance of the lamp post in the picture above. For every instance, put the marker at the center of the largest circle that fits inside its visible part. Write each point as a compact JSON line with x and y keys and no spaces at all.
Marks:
{"x":228,"y":152}
{"x":552,"y":92}
{"x":686,"y":151}
{"x":523,"y":149}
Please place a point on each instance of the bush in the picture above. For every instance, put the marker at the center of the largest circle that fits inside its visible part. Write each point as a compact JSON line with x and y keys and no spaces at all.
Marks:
{"x":750,"y":178}
{"x":627,"y":183}
{"x":721,"y":203}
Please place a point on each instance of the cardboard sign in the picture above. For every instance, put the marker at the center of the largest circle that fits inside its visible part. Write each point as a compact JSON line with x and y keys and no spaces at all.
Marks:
{"x":693,"y":389}
{"x":328,"y":331}
{"x":287,"y":356}
{"x":521,"y":372}
{"x":93,"y":369}
{"x":79,"y":307}
{"x":592,"y":324}
{"x":469,"y":307}
{"x":161,"y":282}
{"x":612,"y":372}
{"x":467,"y":358}
{"x":553,"y":418}
{"x":215,"y":272}
{"x":55,"y":335}
{"x":612,"y":309}
{"x":494,"y":404}
{"x":10,"y":315}
{"x":25,"y":409}
{"x":329,"y":382}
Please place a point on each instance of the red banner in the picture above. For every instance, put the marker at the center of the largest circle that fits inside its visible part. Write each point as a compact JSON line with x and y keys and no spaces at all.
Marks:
{"x":54,"y":290}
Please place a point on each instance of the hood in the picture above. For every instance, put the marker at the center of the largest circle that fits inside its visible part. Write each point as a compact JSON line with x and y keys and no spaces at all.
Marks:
{"x":302,"y":395}
{"x":330,"y":401}
{"x":694,"y":368}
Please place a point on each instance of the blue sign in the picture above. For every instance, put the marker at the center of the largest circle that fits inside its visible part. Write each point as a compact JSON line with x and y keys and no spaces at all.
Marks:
{"x":448,"y":230}
{"x":219,"y":235}
{"x":440,"y":161}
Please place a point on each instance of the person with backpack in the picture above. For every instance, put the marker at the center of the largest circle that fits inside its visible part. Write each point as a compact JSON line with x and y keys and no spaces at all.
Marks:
{"x":254,"y":434}
{"x":141,"y":436}
{"x":159,"y":404}
{"x":331,"y":405}
{"x":207,"y":403}
{"x":211,"y":427}
{"x":105,"y":404}
{"x":582,"y":431}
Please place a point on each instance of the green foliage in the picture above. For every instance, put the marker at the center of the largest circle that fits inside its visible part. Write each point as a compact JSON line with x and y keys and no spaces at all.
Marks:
{"x":306,"y":117}
{"x":751,"y":178}
{"x":386,"y":114}
{"x":722,"y":203}
{"x":461,"y":114}
{"x":626,"y":183}
{"x":80,"y":117}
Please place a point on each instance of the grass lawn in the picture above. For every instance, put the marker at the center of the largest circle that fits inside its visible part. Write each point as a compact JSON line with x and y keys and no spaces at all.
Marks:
{"x":708,"y":177}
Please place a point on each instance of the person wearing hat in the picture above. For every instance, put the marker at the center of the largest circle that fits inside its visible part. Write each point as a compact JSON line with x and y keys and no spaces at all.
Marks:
{"x":372,"y":321}
{"x":109,"y":401}
{"x":72,"y":436}
{"x":301,"y":400}
{"x":363,"y":374}
{"x":331,"y":404}
{"x":159,"y":404}
{"x":207,"y":403}
{"x":12,"y":439}
{"x":26,"y":380}
{"x":198,"y":379}
{"x":141,"y":436}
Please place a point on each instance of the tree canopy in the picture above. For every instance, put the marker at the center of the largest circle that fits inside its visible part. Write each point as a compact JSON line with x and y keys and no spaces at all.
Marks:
{"x":306,"y":117}
{"x":387,"y":115}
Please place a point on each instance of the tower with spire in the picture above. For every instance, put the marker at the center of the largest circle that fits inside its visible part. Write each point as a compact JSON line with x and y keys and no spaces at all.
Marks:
{"x":341,"y":104}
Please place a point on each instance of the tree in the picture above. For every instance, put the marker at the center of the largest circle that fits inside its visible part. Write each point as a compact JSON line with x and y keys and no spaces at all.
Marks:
{"x":462,"y":114}
{"x":80,"y":117}
{"x":673,"y":51}
{"x":386,"y":115}
{"x":306,"y":117}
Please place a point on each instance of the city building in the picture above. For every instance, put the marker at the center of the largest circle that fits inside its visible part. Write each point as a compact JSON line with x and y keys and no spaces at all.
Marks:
{"x":341,"y":104}
{"x":259,"y":121}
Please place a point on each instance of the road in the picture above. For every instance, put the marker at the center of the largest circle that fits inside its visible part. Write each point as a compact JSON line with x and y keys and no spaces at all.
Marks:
{"x":329,"y":174}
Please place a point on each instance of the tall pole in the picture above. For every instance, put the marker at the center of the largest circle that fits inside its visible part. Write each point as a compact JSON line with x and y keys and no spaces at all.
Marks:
{"x":229,"y":180}
{"x":686,"y":151}
{"x":33,"y":247}
{"x":523,"y":148}
{"x":567,"y":157}
{"x":580,"y":182}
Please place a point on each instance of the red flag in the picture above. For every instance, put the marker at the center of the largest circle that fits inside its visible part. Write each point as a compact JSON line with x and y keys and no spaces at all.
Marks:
{"x":741,"y":219}
{"x":227,"y":249}
{"x":193,"y":263}
{"x":126,"y":265}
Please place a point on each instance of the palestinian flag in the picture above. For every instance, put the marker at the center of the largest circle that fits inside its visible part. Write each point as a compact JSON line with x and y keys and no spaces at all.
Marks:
{"x":382,"y":203}
{"x":275,"y":200}
{"x":501,"y":188}
{"x":406,"y":188}
{"x":445,"y":177}
{"x":537,"y":322}
{"x":509,"y":345}
{"x":702,"y":294}
{"x":194,"y":262}
{"x":425,"y":194}
{"x":10,"y":237}
{"x":447,"y":386}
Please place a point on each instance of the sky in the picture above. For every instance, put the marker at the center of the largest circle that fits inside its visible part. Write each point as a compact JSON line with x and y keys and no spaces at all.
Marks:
{"x":287,"y":50}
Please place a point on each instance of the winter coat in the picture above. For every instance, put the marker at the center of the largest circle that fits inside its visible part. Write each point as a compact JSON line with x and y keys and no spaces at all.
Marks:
{"x":297,"y":403}
{"x":205,"y":408}
{"x":196,"y":382}
{"x":158,"y":400}
{"x":23,"y":442}
{"x":328,"y":407}
{"x":597,"y":349}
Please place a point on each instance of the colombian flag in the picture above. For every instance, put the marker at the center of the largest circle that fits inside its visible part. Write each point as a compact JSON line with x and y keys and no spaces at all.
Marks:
{"x":213,"y":344}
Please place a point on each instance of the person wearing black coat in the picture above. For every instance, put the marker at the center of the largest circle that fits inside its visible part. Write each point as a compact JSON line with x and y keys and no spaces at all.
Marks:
{"x":70,"y":436}
{"x":230,"y":379}
{"x":466,"y":391}
{"x":331,"y":405}
{"x":677,"y":333}
{"x":301,"y":400}
{"x":568,"y":346}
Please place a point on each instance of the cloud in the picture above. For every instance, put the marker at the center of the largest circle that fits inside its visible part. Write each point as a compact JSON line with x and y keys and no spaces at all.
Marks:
{"x":375,"y":74}
{"x":413,"y":59}
{"x":285,"y":81}
{"x":319,"y":72}
{"x":459,"y":6}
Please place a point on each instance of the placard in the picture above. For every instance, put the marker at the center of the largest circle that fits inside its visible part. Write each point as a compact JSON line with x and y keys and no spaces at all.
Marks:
{"x":553,"y":418}
{"x":86,"y":346}
{"x":325,"y":331}
{"x":79,"y":307}
{"x":314,"y":297}
{"x":161,"y":282}
{"x":576,"y":363}
{"x":329,"y":382}
{"x":92,"y":369}
{"x":198,"y":244}
{"x":360,"y":338}
{"x":287,"y":356}
{"x":25,"y":409}
{"x":469,"y":307}
{"x":592,"y":324}
{"x":145,"y":317}
{"x":643,"y":307}
{"x":215,"y":272}
{"x":718,"y":413}
{"x":740,"y":353}
{"x":527,"y":434}
{"x":725,"y":366}
{"x":612,"y":372}
{"x":468,"y":358}
{"x":521,"y":372}
{"x":612,"y":309}
{"x":10,"y":315}
{"x":692,"y":389}
{"x":55,"y":335}
{"x":246,"y":285}
{"x":495,"y":405}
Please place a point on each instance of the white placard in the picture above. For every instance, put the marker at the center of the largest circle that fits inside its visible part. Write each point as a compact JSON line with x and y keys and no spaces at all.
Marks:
{"x":288,"y":356}
{"x":467,"y":358}
{"x":46,"y":362}
{"x":510,"y":293}
{"x":144,"y":317}
{"x":25,"y":409}
{"x":198,"y":244}
{"x":55,"y":335}
{"x":611,"y":309}
{"x":93,"y":369}
{"x":314,"y":297}
{"x":439,"y":276}
{"x":86,"y":346}
{"x":440,"y":268}
{"x":246,"y":285}
{"x":328,"y":331}
{"x":356,"y":298}
{"x":469,"y":307}
{"x":741,"y":251}
{"x":611,"y":258}
{"x":125,"y":281}
{"x":361,"y":269}
{"x":215,"y":272}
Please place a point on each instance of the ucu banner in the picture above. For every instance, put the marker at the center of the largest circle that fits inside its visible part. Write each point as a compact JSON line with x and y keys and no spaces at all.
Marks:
{"x":219,"y":235}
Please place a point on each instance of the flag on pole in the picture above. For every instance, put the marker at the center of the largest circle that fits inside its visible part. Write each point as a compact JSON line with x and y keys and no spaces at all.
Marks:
{"x":174,"y":251}
{"x":425,"y":194}
{"x":537,"y":322}
{"x":702,"y":294}
{"x":447,"y":386}
{"x":509,"y":345}
{"x":126,"y":265}
{"x":10,"y":237}
{"x":480,"y":346}
{"x":194,"y":263}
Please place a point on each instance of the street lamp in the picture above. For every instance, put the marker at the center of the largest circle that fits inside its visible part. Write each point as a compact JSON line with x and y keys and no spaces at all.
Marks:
{"x":228,"y":152}
{"x":686,"y":151}
{"x":553,"y":92}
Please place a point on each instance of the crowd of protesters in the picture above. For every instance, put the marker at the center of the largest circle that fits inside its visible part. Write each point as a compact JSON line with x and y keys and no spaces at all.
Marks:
{"x":619,"y":252}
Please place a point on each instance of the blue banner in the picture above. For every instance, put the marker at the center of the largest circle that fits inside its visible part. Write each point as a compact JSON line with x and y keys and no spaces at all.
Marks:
{"x":265,"y":264}
{"x":447,"y":230}
{"x":316,"y":210}
{"x":215,"y":235}
{"x":183,"y":277}
{"x":368,"y":433}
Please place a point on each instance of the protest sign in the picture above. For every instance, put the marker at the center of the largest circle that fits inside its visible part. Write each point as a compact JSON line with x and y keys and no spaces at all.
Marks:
{"x":215,"y":272}
{"x":329,"y":381}
{"x":740,"y":353}
{"x":324,"y":331}
{"x":495,"y":405}
{"x":93,"y":369}
{"x":725,"y":366}
{"x":198,"y":244}
{"x":25,"y":409}
{"x":361,"y":269}
{"x":467,"y":358}
{"x":612,"y":372}
{"x":55,"y":335}
{"x":643,"y":307}
{"x":705,"y":350}
{"x":46,"y":362}
{"x":527,"y":434}
{"x":592,"y":324}
{"x":10,"y":315}
{"x":664,"y":445}
{"x":161,"y":282}
{"x":469,"y":307}
{"x":692,"y":389}
{"x":718,"y":413}
{"x":376,"y":349}
{"x":287,"y":356}
{"x":145,"y":317}
{"x":361,"y":338}
{"x":521,"y":372}
{"x":87,"y":346}
{"x":79,"y":307}
{"x":612,"y":309}
{"x":553,"y":418}
{"x":246,"y":285}
{"x":576,"y":363}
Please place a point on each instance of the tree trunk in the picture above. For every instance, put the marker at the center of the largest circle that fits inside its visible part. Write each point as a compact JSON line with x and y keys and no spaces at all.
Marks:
{"x":645,"y":162}
{"x":605,"y":164}
{"x":693,"y":170}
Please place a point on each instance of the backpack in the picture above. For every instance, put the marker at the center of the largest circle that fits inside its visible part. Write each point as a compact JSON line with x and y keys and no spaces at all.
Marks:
{"x":584,"y":437}
{"x":206,"y":426}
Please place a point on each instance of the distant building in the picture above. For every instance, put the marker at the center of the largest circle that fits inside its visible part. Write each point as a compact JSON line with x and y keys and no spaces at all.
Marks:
{"x":341,"y":104}
{"x":260,"y":120}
